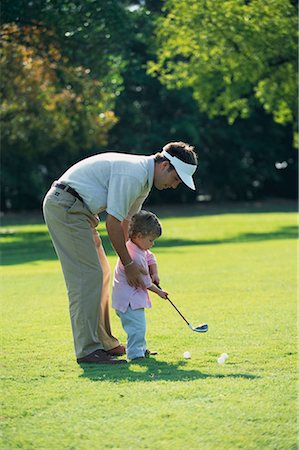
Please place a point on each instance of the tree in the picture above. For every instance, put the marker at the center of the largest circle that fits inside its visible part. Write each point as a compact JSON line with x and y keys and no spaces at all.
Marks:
{"x":88,"y":33}
{"x":75,"y":82}
{"x":235,"y":162}
{"x":60,"y":72}
{"x":234,"y":55}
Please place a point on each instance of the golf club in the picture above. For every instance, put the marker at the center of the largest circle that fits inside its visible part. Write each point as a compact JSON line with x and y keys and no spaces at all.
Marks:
{"x":202,"y":328}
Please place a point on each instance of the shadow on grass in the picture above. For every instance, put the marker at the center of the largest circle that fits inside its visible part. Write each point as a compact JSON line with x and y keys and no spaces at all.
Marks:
{"x":288,"y":232}
{"x":18,"y":248}
{"x":172,"y":210}
{"x":223,"y":208}
{"x":151,"y":370}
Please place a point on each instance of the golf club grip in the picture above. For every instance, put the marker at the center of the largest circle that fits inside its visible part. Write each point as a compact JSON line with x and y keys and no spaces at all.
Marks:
{"x":174,"y":306}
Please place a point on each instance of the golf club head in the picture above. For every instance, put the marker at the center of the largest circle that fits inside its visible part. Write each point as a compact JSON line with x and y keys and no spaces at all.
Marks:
{"x":202,"y":328}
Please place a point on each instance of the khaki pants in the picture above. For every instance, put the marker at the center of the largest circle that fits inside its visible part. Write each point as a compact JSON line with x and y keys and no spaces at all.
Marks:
{"x":85,"y":267}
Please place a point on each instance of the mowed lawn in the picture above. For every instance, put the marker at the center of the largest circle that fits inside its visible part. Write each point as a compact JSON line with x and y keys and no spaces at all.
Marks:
{"x":233,"y":268}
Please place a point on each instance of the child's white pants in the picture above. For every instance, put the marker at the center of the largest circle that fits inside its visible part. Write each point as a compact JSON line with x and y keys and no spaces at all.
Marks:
{"x":134,"y":324}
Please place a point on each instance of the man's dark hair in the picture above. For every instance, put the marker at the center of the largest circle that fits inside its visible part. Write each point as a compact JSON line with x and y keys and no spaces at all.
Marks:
{"x":181,"y":150}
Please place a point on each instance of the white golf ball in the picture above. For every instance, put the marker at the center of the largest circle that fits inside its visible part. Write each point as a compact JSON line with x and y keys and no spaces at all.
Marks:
{"x":222,"y":358}
{"x":187,"y":355}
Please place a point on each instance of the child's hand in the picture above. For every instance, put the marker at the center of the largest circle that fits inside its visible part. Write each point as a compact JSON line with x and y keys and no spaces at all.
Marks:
{"x":163,"y":294}
{"x":155,"y":278}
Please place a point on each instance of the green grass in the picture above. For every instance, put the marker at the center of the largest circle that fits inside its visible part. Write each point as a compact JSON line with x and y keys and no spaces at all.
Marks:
{"x":234,"y":269}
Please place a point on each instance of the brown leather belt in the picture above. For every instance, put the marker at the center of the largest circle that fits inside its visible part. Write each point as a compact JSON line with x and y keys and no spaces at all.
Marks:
{"x":68,"y":189}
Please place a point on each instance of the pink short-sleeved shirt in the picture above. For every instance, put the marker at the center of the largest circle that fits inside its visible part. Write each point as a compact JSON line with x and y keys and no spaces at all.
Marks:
{"x":123,"y":294}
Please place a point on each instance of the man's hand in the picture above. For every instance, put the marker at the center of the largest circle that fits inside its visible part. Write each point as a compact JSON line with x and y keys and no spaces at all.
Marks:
{"x":133,"y":273}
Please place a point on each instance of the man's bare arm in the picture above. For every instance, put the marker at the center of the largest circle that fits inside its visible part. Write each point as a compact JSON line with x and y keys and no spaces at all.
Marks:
{"x":125,"y":227}
{"x":117,"y":237}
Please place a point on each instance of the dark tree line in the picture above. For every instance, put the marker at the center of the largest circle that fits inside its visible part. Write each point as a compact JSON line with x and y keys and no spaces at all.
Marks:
{"x":77,"y":78}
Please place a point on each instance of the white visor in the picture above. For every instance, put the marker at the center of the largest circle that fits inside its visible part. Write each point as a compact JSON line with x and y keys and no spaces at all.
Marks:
{"x":184,"y":170}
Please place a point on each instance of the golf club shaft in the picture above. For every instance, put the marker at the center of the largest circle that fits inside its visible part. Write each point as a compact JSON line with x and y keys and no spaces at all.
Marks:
{"x":176,"y":308}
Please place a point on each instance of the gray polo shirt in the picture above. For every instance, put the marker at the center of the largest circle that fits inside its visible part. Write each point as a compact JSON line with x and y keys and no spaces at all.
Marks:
{"x":116,"y":182}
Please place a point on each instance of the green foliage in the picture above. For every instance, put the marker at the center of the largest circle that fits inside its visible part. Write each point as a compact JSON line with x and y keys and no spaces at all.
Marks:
{"x":55,"y":107}
{"x":89,"y":33}
{"x":232,"y":54}
{"x":75,"y":82}
{"x":219,"y":267}
{"x":242,"y":161}
{"x":236,"y":161}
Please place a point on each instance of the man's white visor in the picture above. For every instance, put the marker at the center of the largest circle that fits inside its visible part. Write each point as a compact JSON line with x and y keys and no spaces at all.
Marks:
{"x":184,"y":170}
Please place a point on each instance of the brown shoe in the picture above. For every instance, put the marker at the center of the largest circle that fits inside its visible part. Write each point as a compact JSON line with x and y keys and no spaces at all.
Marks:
{"x":100,"y":357}
{"x":117,"y":351}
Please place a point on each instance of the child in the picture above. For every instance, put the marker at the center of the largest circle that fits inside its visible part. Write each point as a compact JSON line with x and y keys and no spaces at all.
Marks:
{"x":129,"y":302}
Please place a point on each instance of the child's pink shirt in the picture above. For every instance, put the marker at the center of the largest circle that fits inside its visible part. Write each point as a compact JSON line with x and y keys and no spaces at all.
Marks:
{"x":123,"y":294}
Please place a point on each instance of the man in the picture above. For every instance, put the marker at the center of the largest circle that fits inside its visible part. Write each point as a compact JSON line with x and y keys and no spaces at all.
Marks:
{"x":118,"y":183}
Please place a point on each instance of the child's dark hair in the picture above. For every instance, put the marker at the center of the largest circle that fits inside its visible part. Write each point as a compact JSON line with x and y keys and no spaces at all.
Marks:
{"x":145,"y":222}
